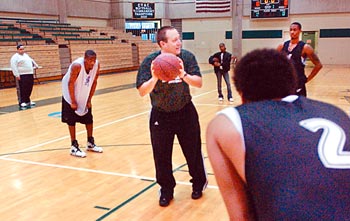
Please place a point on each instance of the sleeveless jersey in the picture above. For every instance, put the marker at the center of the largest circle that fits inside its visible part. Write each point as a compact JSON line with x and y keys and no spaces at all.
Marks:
{"x":297,"y":162}
{"x":82,"y":86}
{"x":298,"y":61}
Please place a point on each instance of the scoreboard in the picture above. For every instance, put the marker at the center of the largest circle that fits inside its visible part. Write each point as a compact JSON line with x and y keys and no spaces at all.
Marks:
{"x":269,"y":9}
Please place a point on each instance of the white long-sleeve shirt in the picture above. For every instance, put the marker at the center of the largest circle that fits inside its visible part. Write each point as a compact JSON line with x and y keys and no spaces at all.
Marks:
{"x":22,"y":64}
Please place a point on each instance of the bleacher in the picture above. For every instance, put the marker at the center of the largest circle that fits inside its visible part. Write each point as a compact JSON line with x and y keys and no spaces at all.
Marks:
{"x":112,"y":57}
{"x":51,"y":44}
{"x":46,"y":56}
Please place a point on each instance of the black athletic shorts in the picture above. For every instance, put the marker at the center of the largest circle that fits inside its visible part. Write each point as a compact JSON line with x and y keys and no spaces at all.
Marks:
{"x":69,"y":116}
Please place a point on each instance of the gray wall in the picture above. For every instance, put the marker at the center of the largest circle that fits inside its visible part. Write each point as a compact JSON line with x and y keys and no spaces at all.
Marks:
{"x":165,"y":9}
{"x":89,"y":8}
{"x":187,"y":8}
{"x":100,"y":9}
{"x":208,"y":28}
{"x":41,"y":7}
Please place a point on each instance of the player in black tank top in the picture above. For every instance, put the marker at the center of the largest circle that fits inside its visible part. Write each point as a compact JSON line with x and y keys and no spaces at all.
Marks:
{"x":289,"y":169}
{"x":298,"y":51}
{"x":279,"y":156}
{"x":295,"y":55}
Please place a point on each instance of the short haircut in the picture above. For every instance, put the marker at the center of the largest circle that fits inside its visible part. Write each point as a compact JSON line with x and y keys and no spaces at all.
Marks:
{"x":265,"y":74}
{"x":161,"y":34}
{"x":89,"y":54}
{"x":221,"y":45}
{"x":19,"y":46}
{"x":297,"y":24}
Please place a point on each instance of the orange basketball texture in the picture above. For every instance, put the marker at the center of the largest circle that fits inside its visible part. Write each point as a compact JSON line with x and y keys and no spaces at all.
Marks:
{"x":216,"y":59}
{"x":166,"y":66}
{"x":216,"y":62}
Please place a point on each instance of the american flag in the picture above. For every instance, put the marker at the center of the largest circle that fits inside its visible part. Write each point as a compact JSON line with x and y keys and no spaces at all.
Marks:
{"x":213,"y":6}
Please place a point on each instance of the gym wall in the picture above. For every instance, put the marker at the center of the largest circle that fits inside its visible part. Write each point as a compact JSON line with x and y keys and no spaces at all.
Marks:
{"x":206,"y":30}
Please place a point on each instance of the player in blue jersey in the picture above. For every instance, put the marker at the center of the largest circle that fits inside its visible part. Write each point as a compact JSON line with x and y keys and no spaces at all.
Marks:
{"x":298,"y":51}
{"x":279,"y":156}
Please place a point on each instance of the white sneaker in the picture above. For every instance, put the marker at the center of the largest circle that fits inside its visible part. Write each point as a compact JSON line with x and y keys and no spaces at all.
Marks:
{"x":32,"y":103}
{"x":221,"y":99}
{"x":23,"y":104}
{"x":92,"y":147}
{"x":75,"y":150}
{"x":230,"y":100}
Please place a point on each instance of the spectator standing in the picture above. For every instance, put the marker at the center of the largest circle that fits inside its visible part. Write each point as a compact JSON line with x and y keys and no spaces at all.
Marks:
{"x":23,"y":66}
{"x":222,"y":65}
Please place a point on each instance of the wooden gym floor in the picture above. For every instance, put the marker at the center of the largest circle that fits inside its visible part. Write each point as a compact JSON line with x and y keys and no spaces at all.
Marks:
{"x":40,"y":180}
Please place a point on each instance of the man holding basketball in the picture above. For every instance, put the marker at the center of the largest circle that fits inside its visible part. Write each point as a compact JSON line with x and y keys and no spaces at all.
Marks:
{"x":279,"y":156}
{"x":173,"y":113}
{"x":298,"y":51}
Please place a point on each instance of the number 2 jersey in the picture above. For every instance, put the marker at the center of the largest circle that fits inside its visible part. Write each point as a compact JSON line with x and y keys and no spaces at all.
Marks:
{"x":297,"y":162}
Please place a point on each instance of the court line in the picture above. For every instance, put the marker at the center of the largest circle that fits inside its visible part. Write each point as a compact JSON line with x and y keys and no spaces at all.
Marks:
{"x":97,"y":127}
{"x":67,"y":148}
{"x":83,"y":131}
{"x":134,"y":197}
{"x":202,"y":94}
{"x":53,"y":100}
{"x":99,"y":171}
{"x":95,"y":171}
{"x":80,"y":132}
{"x":126,"y":202}
{"x":216,"y":105}
{"x":76,"y":168}
{"x":83,"y":169}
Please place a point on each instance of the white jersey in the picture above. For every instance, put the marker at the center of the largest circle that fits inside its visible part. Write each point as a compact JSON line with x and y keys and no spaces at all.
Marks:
{"x":82,"y":86}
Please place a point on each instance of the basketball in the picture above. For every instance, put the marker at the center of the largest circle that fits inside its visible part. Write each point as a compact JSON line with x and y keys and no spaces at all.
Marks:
{"x":216,"y":62}
{"x":166,"y":66}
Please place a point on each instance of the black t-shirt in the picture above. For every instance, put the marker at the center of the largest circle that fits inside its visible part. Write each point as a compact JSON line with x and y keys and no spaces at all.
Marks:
{"x":173,"y":95}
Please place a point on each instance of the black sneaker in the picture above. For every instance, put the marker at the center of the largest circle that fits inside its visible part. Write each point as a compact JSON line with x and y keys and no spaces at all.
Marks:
{"x":196,"y":195}
{"x":165,"y":201}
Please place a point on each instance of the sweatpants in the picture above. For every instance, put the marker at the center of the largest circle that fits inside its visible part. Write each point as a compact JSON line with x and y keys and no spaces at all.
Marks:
{"x":25,"y":88}
{"x":185,"y":125}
